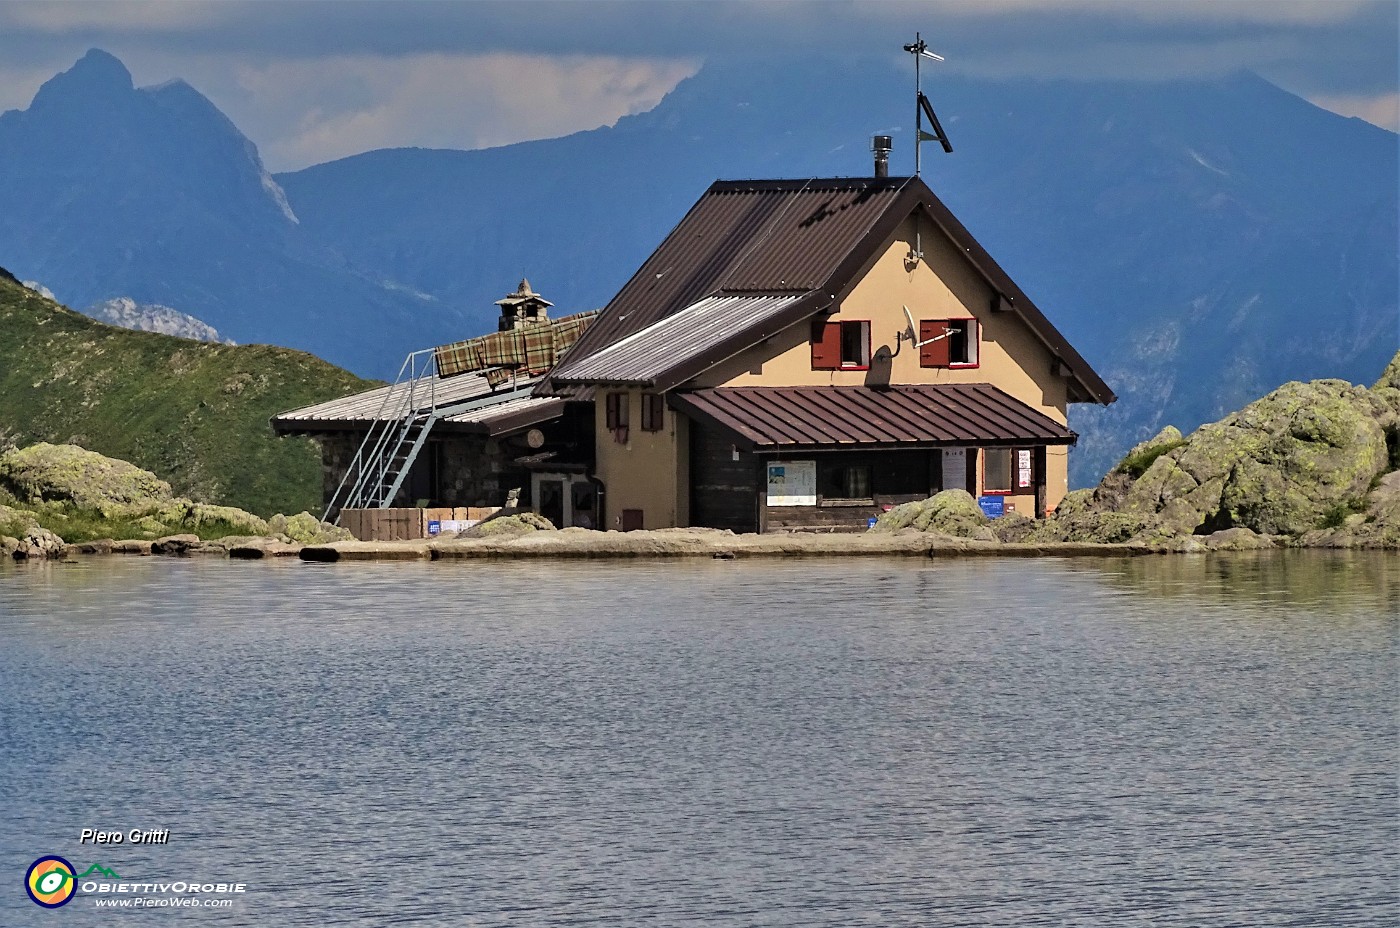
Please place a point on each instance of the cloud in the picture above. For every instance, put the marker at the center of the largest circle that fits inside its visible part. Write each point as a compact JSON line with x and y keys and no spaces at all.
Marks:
{"x":309,"y":81}
{"x":334,"y":107}
{"x":1380,"y":109}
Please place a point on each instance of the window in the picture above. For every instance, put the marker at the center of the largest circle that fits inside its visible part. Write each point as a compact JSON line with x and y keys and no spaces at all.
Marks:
{"x":1008,"y":470}
{"x":653,"y":412}
{"x":846,"y":483}
{"x":855,"y":345}
{"x":841,"y":345}
{"x":618,"y":405}
{"x":949,"y":342}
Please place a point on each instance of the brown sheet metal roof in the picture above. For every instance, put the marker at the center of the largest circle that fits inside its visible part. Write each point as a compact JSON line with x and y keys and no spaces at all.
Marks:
{"x":763,"y":236}
{"x":773,"y":237}
{"x":649,"y":353}
{"x":773,"y":418}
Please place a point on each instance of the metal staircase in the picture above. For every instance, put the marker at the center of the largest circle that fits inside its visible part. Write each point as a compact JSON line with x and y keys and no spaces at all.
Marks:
{"x":396,"y":436}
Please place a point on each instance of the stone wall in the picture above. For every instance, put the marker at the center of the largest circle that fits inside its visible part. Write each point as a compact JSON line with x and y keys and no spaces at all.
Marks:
{"x":472,"y":470}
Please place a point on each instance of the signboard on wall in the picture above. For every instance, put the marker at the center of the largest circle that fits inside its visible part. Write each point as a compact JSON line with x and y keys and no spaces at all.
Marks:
{"x":955,"y":468}
{"x":792,"y":483}
{"x":993,"y":507}
{"x":1023,"y":468}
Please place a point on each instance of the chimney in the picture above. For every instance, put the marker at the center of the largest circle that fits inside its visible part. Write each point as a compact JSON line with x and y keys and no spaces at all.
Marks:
{"x":881,"y":145}
{"x":522,"y":308}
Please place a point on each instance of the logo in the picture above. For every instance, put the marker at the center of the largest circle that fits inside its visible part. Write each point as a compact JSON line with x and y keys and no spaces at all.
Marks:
{"x":50,"y":882}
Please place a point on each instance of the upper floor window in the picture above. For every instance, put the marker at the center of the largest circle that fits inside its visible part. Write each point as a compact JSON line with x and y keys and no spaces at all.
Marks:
{"x":617,"y":406}
{"x":841,"y":345}
{"x":949,"y":342}
{"x":653,"y":412}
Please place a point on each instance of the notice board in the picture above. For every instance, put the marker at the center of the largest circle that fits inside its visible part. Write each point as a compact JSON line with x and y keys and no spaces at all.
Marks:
{"x":792,"y":483}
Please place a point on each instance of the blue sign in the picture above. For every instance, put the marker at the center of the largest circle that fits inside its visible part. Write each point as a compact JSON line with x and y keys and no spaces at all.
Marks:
{"x":993,"y":507}
{"x":434,"y":527}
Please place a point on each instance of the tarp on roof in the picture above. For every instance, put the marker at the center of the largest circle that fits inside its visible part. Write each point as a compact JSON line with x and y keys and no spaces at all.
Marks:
{"x":531,"y":349}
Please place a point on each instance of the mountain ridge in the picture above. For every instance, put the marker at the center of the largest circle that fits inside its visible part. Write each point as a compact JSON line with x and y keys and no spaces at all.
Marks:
{"x":1198,"y":241}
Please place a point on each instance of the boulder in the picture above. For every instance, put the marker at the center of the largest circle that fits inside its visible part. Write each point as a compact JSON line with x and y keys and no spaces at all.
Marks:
{"x":306,"y":529}
{"x":38,"y":543}
{"x":132,"y":546}
{"x":951,"y":512}
{"x":69,"y":474}
{"x":1238,"y":538}
{"x":1283,"y":465}
{"x":1377,"y":525}
{"x":175,"y":544}
{"x":520,"y":523}
{"x":1013,"y":527}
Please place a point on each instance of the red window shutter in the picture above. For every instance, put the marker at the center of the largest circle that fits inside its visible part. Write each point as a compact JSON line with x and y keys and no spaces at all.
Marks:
{"x":826,"y":346}
{"x":934,"y":354}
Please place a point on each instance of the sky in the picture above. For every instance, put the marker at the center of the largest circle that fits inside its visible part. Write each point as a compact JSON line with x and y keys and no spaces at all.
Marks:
{"x":309,"y":82}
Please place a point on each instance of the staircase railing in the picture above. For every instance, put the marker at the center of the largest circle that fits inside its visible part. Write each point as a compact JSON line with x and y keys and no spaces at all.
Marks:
{"x":393,"y":441}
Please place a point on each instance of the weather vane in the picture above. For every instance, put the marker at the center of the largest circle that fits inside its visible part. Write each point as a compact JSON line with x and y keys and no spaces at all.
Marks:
{"x":919,"y":49}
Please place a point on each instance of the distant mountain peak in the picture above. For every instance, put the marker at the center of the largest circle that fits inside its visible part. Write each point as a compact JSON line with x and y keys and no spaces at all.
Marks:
{"x":96,"y":74}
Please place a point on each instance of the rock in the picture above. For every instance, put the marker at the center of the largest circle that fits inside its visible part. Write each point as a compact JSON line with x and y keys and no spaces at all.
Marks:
{"x":1238,"y":539}
{"x":1136,"y":462}
{"x":307,"y":529}
{"x":1013,"y":527}
{"x":8,"y":545}
{"x":205,"y":516}
{"x":1284,"y":465}
{"x":257,"y":548}
{"x":951,"y":512}
{"x":37,"y":544}
{"x":97,"y":546}
{"x":521,"y":523}
{"x":132,"y":546}
{"x":175,"y":544}
{"x":1376,"y":526}
{"x":69,"y":474}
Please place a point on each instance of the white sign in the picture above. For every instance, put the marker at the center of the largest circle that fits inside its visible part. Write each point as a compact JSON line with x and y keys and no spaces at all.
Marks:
{"x":792,"y":483}
{"x":457,"y":525}
{"x":955,"y":468}
{"x":1023,"y":468}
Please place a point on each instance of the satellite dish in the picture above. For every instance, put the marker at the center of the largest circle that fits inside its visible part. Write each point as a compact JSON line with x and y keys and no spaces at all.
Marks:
{"x":534,"y":438}
{"x":914,"y":332}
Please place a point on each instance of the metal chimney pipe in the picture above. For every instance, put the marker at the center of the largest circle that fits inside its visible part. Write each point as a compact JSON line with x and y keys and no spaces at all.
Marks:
{"x":881,"y":145}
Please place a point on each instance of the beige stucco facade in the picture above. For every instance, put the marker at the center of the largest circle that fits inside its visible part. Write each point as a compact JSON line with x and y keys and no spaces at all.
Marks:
{"x":944,"y":285}
{"x":648,"y":471}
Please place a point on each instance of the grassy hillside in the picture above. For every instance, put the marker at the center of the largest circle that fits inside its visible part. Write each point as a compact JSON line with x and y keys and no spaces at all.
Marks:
{"x":195,"y":414}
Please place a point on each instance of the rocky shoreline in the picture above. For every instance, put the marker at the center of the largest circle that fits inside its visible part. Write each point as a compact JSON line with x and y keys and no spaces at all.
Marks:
{"x":577,"y":543}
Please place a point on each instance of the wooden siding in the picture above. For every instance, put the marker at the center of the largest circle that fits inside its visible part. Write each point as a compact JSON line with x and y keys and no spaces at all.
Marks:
{"x":724,"y":492}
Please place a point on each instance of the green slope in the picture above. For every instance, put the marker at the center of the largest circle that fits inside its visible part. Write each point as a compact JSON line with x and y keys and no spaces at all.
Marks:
{"x":195,"y":414}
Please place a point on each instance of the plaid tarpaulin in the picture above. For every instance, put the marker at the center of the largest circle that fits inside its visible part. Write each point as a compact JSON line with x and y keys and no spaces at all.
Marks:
{"x":531,"y":350}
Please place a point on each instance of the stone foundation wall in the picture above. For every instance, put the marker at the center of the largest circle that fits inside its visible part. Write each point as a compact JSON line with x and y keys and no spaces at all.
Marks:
{"x":472,"y":470}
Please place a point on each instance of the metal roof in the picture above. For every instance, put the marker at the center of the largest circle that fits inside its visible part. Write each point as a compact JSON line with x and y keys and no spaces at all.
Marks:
{"x":644,"y":355}
{"x":509,"y":416}
{"x":774,"y":237}
{"x":358,"y":410}
{"x":783,"y":418}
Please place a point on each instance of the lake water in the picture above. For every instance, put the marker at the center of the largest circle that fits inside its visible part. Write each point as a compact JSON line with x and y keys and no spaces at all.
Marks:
{"x":1175,"y":741}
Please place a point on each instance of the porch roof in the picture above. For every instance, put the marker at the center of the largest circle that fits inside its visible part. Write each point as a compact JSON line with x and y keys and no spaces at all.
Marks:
{"x":859,"y":418}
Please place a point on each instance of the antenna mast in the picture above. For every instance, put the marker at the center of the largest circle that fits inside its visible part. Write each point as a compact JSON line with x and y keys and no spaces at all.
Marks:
{"x":919,"y":49}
